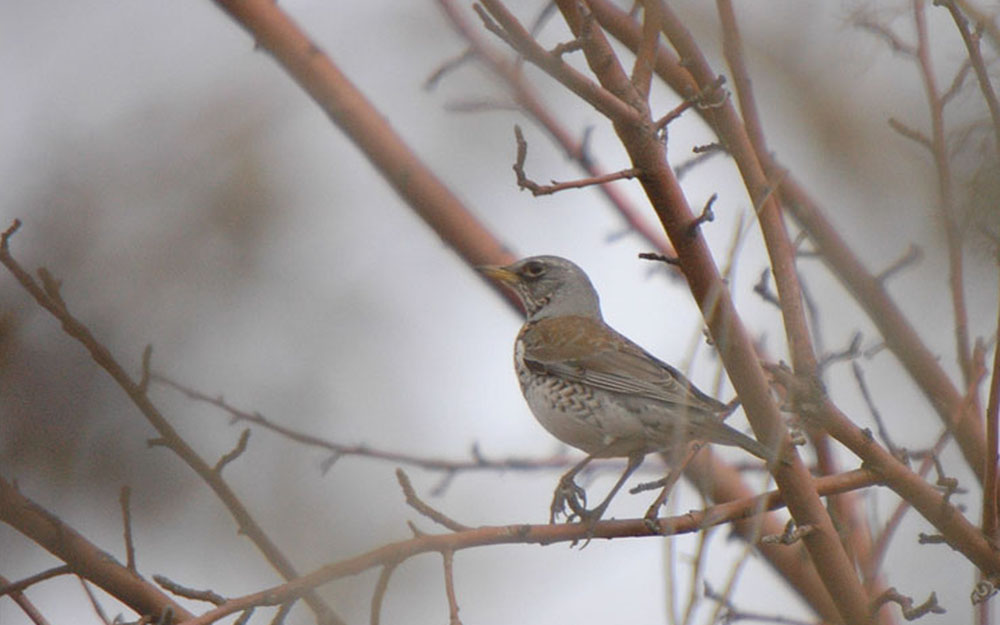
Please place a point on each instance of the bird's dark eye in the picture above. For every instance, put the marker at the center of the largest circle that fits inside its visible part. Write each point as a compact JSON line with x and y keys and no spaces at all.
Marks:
{"x":533,"y":269}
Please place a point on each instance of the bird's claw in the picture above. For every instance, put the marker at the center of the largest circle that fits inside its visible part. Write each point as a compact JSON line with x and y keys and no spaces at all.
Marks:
{"x":568,"y":494}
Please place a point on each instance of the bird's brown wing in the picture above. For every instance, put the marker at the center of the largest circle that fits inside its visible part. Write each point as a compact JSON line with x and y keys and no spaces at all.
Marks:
{"x":586,"y":350}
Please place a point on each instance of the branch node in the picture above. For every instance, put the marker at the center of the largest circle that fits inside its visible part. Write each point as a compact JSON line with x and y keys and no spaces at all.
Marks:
{"x":790,"y":535}
{"x":706,"y":215}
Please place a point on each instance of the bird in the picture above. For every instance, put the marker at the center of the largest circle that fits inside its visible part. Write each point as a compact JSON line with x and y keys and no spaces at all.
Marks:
{"x":594,"y":389}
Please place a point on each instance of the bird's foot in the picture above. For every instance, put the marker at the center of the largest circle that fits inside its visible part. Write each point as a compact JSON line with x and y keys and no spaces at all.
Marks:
{"x":589,"y":519}
{"x":568,"y":494}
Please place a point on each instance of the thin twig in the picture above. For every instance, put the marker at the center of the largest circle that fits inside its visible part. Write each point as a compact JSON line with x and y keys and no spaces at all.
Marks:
{"x":912,"y":256}
{"x":477,"y":461}
{"x":47,"y":296}
{"x":234,"y":453}
{"x":990,"y":481}
{"x":449,"y":586}
{"x":694,"y":521}
{"x":378,"y":595}
{"x":9,"y":588}
{"x":537,"y":189}
{"x":94,"y":603}
{"x":190,"y":593}
{"x":417,"y":504}
{"x":29,"y":609}
{"x":124,"y":499}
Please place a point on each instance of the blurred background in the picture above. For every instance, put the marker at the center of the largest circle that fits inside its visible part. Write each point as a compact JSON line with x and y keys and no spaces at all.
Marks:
{"x":190,"y":196}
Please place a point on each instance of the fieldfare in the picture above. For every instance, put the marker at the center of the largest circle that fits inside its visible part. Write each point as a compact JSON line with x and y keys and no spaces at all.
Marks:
{"x":596,"y":390}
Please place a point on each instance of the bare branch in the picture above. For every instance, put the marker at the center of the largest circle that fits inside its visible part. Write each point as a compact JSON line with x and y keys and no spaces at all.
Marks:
{"x":449,"y":586}
{"x":536,"y":189}
{"x":123,"y":499}
{"x":379,"y":593}
{"x":189,"y":593}
{"x":417,"y":504}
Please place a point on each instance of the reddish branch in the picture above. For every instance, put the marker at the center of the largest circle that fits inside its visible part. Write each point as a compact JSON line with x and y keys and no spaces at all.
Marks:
{"x":370,"y":131}
{"x":48,"y":297}
{"x":538,"y":189}
{"x":397,"y":552}
{"x":867,"y":289}
{"x":531,"y":104}
{"x":85,"y":558}
{"x":990,"y":485}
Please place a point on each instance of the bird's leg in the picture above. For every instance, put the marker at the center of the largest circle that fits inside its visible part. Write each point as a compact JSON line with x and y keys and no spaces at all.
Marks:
{"x":591,"y":517}
{"x":568,"y":492}
{"x":653,"y":513}
{"x":666,"y":484}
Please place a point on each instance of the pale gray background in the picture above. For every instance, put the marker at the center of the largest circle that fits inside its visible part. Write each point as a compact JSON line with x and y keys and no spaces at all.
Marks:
{"x":189,"y":195}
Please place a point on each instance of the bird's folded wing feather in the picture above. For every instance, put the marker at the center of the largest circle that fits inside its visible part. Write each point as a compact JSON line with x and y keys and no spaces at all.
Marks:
{"x":585,"y":350}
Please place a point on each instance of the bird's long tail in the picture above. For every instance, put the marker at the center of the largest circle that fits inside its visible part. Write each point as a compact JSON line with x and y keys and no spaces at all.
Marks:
{"x":719,"y":433}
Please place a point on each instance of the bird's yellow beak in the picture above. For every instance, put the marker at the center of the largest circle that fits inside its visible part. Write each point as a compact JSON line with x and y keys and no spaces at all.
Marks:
{"x":500,"y":274}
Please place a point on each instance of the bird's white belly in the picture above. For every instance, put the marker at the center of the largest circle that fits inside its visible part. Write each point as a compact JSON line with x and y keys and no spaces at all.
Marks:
{"x":578,"y":415}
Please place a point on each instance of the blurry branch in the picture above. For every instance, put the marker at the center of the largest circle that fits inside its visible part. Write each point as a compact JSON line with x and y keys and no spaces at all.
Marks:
{"x":646,"y":152}
{"x":394,"y":553}
{"x":990,"y":483}
{"x":9,"y":588}
{"x":47,"y":296}
{"x":379,"y":593}
{"x":638,"y":134}
{"x":946,"y":197}
{"x":417,"y":504}
{"x":729,"y":613}
{"x":368,"y":129}
{"x":29,"y":609}
{"x":124,"y":500}
{"x":86,"y":559}
{"x":190,"y":593}
{"x":339,"y":450}
{"x":448,"y":557}
{"x":901,"y":338}
{"x":165,"y":617}
{"x":928,"y":500}
{"x":532,"y":105}
{"x":978,"y":64}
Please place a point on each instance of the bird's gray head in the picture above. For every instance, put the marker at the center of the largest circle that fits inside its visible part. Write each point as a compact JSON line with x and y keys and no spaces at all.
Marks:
{"x":549,"y":286}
